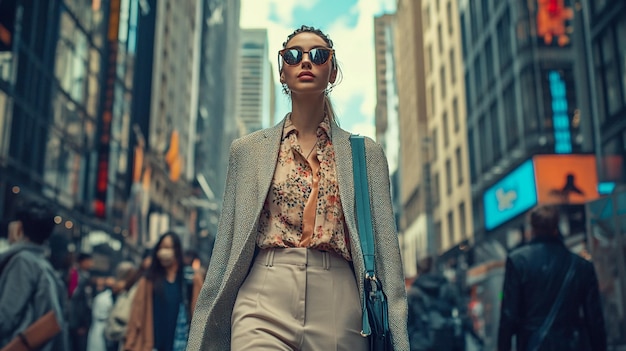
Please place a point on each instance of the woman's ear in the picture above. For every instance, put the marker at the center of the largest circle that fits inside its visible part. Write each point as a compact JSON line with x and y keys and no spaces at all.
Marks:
{"x":333,"y":76}
{"x":282,"y":78}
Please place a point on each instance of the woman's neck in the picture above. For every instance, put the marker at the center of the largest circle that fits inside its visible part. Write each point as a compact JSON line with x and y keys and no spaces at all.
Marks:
{"x":306,"y":113}
{"x":170,"y":273}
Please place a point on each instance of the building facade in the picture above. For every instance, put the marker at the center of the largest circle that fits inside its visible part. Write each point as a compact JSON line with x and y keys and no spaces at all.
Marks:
{"x":414,"y":174}
{"x":65,"y":95}
{"x":445,"y":109}
{"x":254,"y":78}
{"x":386,"y":116}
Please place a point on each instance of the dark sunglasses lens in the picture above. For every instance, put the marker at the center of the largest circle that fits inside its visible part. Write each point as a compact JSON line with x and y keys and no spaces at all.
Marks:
{"x":292,"y":56}
{"x":319,"y":56}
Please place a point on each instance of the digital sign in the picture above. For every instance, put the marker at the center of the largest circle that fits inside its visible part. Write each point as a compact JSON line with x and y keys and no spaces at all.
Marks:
{"x":566,"y":179}
{"x":511,"y":196}
{"x":553,"y":18}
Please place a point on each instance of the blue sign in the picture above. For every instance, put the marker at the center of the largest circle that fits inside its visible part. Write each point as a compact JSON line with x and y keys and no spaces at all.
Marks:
{"x":511,"y":196}
{"x":560,"y":119}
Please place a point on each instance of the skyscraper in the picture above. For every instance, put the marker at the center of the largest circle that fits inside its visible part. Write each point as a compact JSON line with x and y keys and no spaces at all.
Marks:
{"x":254,"y":77}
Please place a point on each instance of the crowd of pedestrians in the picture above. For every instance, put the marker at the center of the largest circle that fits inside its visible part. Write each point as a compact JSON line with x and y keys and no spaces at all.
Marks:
{"x":148,"y":305}
{"x":143,"y":306}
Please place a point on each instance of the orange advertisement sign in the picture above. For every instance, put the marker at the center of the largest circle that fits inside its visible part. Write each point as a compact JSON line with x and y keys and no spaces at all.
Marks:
{"x":565,"y":179}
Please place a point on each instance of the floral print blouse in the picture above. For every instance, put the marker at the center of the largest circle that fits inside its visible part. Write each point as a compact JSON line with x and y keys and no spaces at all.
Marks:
{"x":303,"y":208}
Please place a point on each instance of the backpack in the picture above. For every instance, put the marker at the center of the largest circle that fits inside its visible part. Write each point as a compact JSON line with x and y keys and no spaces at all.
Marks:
{"x":438,"y":325}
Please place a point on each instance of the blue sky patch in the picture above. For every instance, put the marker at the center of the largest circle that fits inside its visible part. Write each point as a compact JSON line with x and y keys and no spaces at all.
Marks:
{"x":325,"y":13}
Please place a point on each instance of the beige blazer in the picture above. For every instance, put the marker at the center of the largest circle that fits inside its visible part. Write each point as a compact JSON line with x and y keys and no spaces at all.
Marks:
{"x":250,"y":172}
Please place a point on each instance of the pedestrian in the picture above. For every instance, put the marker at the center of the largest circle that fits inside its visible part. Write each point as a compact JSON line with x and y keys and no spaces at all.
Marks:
{"x":120,"y":314}
{"x":286,"y":270}
{"x":29,"y":285}
{"x":80,"y":305}
{"x":164,"y":301}
{"x":103,"y":305}
{"x":550,"y":295}
{"x":434,"y":322}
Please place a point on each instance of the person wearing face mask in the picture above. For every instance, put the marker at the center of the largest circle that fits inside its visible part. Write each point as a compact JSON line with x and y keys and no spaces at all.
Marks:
{"x":164,"y":300}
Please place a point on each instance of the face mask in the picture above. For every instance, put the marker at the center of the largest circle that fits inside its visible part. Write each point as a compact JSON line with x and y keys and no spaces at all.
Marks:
{"x":166,"y":256}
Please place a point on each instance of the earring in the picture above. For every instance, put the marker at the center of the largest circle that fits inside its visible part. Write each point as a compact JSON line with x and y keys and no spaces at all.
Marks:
{"x":286,"y":90}
{"x":329,"y":89}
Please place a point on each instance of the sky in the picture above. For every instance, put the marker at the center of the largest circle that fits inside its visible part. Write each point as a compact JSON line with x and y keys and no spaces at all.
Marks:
{"x":350,"y":25}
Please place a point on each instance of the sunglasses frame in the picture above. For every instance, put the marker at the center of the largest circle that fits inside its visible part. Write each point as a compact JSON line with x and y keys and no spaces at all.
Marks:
{"x":281,"y":53}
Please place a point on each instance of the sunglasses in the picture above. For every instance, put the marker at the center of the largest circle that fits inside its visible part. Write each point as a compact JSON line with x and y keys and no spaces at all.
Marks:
{"x":318,"y":56}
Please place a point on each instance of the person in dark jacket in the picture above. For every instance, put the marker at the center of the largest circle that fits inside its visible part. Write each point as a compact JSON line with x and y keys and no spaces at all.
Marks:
{"x":533,"y":278}
{"x":29,"y":286}
{"x":81,"y":304}
{"x":434,"y":322}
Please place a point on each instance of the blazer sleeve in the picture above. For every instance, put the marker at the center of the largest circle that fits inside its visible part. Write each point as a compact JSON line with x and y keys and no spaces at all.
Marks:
{"x":201,"y":319}
{"x":388,"y":260}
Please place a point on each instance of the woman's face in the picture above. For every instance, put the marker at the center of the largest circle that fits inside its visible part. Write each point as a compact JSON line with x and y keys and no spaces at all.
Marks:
{"x":165,"y":252}
{"x":306,"y":77}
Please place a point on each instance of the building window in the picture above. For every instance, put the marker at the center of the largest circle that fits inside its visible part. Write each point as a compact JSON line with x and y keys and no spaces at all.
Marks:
{"x":621,"y":48}
{"x":598,"y":6}
{"x":426,"y":18}
{"x":463,"y":34}
{"x":433,"y":99}
{"x":485,"y":141}
{"x":455,"y":114}
{"x":459,"y":166}
{"x":451,"y":227}
{"x":485,"y":11}
{"x":448,"y":177}
{"x":434,"y":146}
{"x":489,"y":60}
{"x":439,"y":38}
{"x":495,"y":131}
{"x":504,"y":39}
{"x":442,"y":77}
{"x":449,"y":17}
{"x":437,"y":241}
{"x":429,"y":59}
{"x":462,"y":222}
{"x":478,"y":75}
{"x":469,"y":90}
{"x":472,"y":154}
{"x":436,"y":191}
{"x":446,"y":137}
{"x":529,"y":97}
{"x":611,"y":80}
{"x":510,"y":113}
{"x":452,"y":66}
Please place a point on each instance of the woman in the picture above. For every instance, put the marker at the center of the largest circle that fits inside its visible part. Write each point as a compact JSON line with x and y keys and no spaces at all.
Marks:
{"x":286,"y":271}
{"x":163,"y":302}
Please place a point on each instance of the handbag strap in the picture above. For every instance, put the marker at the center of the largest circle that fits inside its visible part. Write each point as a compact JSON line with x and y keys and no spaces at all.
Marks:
{"x":547,"y":323}
{"x":364,"y":222}
{"x":362,"y":203}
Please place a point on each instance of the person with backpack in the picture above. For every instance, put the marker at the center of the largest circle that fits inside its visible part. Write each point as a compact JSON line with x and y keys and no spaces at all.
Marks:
{"x":434,"y":321}
{"x":29,"y":285}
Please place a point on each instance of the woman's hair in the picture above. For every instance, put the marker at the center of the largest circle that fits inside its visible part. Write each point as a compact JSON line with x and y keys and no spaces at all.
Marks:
{"x":156,"y":272}
{"x":328,"y":106}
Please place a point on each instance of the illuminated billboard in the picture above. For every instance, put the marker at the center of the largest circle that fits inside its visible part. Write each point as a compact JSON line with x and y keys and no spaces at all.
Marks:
{"x":544,"y":179}
{"x":511,"y":196}
{"x":566,"y":179}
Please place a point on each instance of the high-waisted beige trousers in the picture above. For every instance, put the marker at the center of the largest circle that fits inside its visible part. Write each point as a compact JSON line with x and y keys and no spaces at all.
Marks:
{"x":298,"y":299}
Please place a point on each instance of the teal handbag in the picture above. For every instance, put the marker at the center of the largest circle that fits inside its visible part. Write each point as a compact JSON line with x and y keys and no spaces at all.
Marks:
{"x":375,"y":309}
